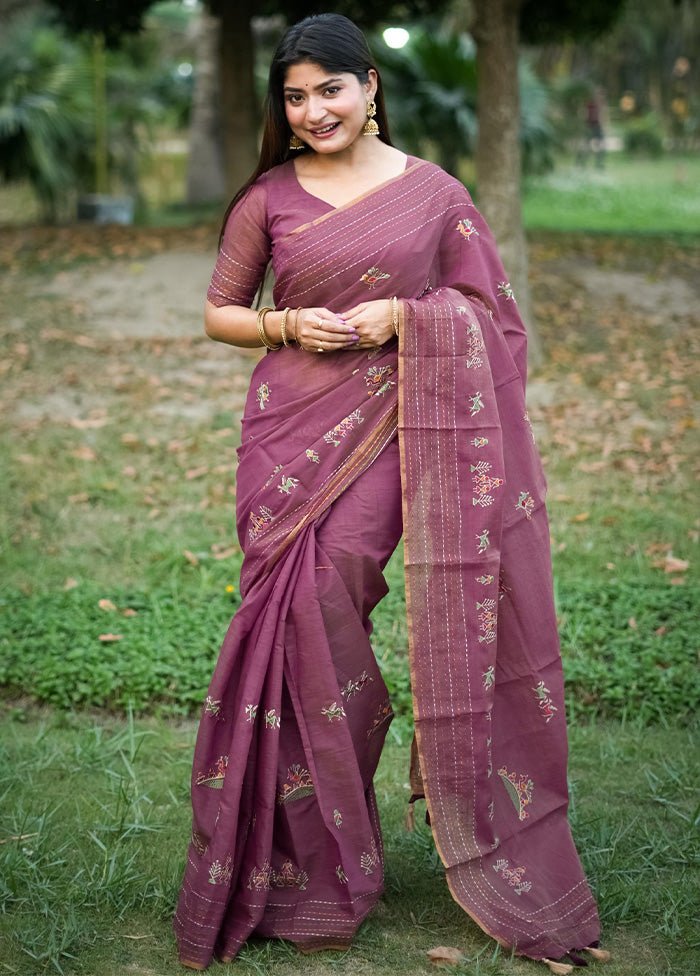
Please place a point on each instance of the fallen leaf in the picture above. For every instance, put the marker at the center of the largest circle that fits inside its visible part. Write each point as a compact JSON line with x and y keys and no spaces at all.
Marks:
{"x":633,"y":623}
{"x":232,"y":551}
{"x":129,"y":471}
{"x":84,"y":453}
{"x":581,"y":517}
{"x":445,"y":956}
{"x":70,"y":583}
{"x":109,"y":638}
{"x":196,"y":472}
{"x":129,"y":612}
{"x":82,"y":496}
{"x":659,"y":631}
{"x":91,"y":422}
{"x":106,"y":605}
{"x":673,"y":565}
{"x":191,"y":558}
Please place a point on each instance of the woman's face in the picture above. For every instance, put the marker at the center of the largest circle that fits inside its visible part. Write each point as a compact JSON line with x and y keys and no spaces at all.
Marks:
{"x":327,"y":111}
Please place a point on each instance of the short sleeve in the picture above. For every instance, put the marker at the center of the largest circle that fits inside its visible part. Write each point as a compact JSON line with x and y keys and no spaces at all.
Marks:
{"x":244,"y":253}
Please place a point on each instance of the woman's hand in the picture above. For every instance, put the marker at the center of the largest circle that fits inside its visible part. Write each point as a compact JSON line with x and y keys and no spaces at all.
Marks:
{"x":320,"y":330}
{"x":372,"y":322}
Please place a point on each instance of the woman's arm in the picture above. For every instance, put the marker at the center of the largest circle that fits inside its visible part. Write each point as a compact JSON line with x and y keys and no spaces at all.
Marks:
{"x":314,"y":329}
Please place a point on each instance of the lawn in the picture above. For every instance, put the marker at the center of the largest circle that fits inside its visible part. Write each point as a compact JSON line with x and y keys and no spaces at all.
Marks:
{"x":119,"y":570}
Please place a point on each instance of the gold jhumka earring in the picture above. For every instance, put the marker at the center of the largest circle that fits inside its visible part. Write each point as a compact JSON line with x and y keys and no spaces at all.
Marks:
{"x":370,"y":127}
{"x":295,"y":142}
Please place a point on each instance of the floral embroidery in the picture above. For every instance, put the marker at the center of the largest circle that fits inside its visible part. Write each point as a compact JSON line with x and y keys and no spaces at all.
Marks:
{"x":263,"y":395}
{"x":489,"y":766}
{"x":199,"y":842}
{"x":504,"y":288}
{"x":336,"y":434}
{"x":370,"y":859}
{"x":337,"y":818}
{"x":299,"y":784}
{"x":251,"y":711}
{"x":483,"y":483}
{"x":260,"y":878}
{"x":546,"y":704}
{"x":526,"y":503}
{"x":342,"y":876}
{"x":484,"y":579}
{"x":491,"y":808}
{"x":489,"y":677}
{"x":312,"y":456}
{"x":211,"y":706}
{"x":276,"y":470}
{"x":373,"y":276}
{"x":333,"y":711}
{"x":259,"y":521}
{"x":272,"y":719}
{"x":487,"y":620}
{"x":220,"y":874}
{"x":286,"y":878}
{"x":476,"y":403}
{"x":352,"y":688}
{"x":475,"y":346}
{"x":377,"y":380}
{"x":214,"y":777}
{"x":483,"y":540}
{"x":512,"y":875}
{"x":467,"y":229}
{"x":287,"y":485}
{"x":519,"y":789}
{"x":384,"y":714}
{"x":480,"y":441}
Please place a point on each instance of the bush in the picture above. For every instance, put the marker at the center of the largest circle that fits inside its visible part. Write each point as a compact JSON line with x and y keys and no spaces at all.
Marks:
{"x":644,"y":137}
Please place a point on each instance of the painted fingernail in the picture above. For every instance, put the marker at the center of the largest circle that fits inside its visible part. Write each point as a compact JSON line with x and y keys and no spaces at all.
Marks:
{"x":354,"y":338}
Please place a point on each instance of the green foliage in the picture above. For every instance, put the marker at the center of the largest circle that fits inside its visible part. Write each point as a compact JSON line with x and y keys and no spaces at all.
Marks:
{"x":547,"y":21}
{"x":644,"y":136}
{"x":365,"y":13}
{"x":112,"y":18}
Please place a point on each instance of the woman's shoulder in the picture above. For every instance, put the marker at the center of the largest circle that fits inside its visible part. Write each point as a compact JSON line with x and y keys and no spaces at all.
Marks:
{"x":441,"y":180}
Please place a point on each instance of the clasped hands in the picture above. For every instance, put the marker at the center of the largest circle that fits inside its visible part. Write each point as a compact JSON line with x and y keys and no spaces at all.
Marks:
{"x":365,"y":326}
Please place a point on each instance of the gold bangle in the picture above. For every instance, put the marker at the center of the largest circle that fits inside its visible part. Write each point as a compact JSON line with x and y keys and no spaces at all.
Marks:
{"x":283,"y":327}
{"x":264,"y":337}
{"x":395,"y":314}
{"x":296,"y":323}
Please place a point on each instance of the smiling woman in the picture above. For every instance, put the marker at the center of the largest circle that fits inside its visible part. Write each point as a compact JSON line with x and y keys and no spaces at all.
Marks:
{"x":413,"y":419}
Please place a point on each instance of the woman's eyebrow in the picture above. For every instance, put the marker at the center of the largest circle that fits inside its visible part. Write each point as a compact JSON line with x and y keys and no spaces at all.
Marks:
{"x":323,"y":84}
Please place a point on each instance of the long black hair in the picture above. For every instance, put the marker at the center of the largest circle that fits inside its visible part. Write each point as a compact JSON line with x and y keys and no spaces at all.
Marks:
{"x":335,"y":44}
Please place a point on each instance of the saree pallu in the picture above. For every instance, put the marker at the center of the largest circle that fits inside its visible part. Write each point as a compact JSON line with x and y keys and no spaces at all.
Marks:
{"x":286,"y":839}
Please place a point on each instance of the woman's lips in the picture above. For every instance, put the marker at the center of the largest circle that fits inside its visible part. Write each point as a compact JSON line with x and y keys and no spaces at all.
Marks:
{"x":323,"y":132}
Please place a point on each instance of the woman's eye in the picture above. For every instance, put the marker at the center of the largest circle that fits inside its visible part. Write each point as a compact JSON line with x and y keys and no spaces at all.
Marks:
{"x":332,"y":90}
{"x":293,"y":99}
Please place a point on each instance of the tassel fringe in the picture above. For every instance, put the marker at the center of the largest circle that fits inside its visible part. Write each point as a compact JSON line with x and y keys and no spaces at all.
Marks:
{"x":411,"y":817}
{"x":600,"y":955}
{"x":558,"y":968}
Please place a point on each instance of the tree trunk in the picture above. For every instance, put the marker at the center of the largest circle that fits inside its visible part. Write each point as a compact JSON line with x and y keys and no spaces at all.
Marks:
{"x":239,"y":108}
{"x":495,"y":31}
{"x":205,"y":160}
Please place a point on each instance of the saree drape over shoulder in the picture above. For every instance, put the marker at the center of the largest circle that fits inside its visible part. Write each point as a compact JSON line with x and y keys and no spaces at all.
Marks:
{"x":339,"y":454}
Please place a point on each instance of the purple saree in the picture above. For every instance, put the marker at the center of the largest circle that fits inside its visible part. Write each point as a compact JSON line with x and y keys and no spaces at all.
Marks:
{"x":285,"y":839}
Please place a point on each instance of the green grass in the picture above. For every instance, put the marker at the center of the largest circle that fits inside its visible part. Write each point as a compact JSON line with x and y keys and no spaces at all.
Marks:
{"x":629,"y":195}
{"x":95,"y":817}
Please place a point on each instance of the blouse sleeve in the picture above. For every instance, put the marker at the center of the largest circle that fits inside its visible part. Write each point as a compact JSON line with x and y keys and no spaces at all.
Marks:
{"x":244,"y":253}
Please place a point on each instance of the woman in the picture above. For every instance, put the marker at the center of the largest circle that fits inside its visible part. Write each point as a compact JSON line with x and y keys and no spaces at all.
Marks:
{"x":392,"y":399}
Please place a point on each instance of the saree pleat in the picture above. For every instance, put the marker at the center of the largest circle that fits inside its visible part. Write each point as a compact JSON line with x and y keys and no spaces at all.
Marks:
{"x":286,"y":839}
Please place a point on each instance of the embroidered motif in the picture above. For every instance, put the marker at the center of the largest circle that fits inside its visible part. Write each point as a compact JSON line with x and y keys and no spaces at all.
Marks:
{"x":298,"y":784}
{"x":333,"y":711}
{"x":336,"y":434}
{"x":352,"y":688}
{"x":467,"y":229}
{"x":483,"y":483}
{"x":287,"y":485}
{"x":370,"y":859}
{"x":505,"y":289}
{"x":312,"y":456}
{"x":337,"y":819}
{"x":476,"y":403}
{"x":491,"y":808}
{"x":519,"y":789}
{"x":251,"y":711}
{"x":373,"y":276}
{"x":480,"y":441}
{"x":260,"y":879}
{"x":483,"y":540}
{"x":503,"y":587}
{"x":263,"y":395}
{"x":212,"y":707}
{"x":512,"y":875}
{"x":487,"y":620}
{"x":377,"y":380}
{"x":199,"y":842}
{"x":220,"y":874}
{"x":259,"y":521}
{"x":526,"y":418}
{"x":276,"y":470}
{"x":545,"y":703}
{"x":272,"y":719}
{"x":384,"y":714}
{"x":489,"y":677}
{"x":342,"y":876}
{"x":526,"y":503}
{"x":214,"y":777}
{"x":484,"y":580}
{"x":475,"y":346}
{"x":489,"y":766}
{"x":286,"y":878}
